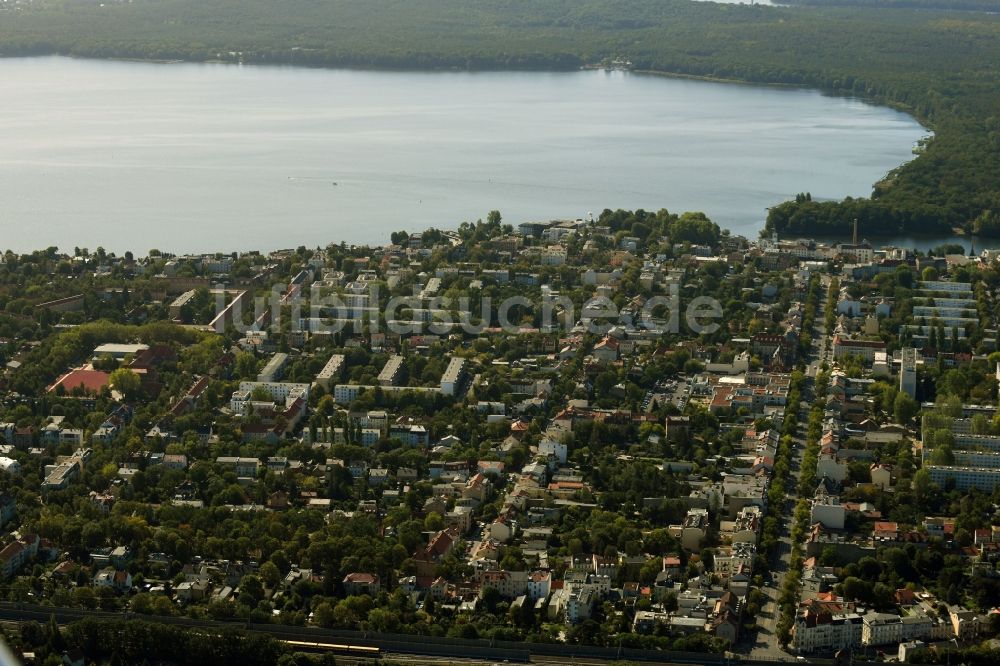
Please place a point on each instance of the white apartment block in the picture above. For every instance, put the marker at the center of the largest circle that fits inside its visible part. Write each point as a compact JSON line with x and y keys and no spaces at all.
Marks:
{"x":965,"y":478}
{"x":330,"y":371}
{"x":453,"y":375}
{"x":280,"y":392}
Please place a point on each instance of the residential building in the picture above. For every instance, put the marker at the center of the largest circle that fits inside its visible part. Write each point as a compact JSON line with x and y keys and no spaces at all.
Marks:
{"x":18,"y":553}
{"x":908,"y":372}
{"x":361,"y":583}
{"x":331,"y":371}
{"x":453,"y":375}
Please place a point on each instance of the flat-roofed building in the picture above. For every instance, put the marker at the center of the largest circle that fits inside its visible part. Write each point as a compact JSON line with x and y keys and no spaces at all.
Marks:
{"x":274,"y":369}
{"x":390,"y":371}
{"x":331,"y":371}
{"x":866,"y":349}
{"x":119,"y":351}
{"x":964,"y":478}
{"x":453,"y":375}
{"x":908,"y":372}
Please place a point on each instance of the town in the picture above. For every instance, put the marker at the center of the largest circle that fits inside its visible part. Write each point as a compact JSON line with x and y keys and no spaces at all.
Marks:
{"x":634,"y":430}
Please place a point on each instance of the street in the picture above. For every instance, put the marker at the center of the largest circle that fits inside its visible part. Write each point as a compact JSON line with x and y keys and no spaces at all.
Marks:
{"x":765,"y":642}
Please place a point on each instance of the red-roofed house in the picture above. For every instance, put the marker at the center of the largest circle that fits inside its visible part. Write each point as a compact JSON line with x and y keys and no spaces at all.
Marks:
{"x":671,"y":565}
{"x":886,"y":531}
{"x":606,"y":350}
{"x":491,"y":467}
{"x":519,"y":428}
{"x":361,"y":583}
{"x":427,"y":557}
{"x":17,"y":554}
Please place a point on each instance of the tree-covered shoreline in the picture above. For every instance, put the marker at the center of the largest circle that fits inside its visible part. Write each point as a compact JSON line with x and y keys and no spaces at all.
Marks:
{"x":937,"y":66}
{"x":924,"y":5}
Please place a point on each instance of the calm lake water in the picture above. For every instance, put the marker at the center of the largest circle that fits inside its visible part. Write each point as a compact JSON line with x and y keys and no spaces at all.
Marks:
{"x":205,"y":157}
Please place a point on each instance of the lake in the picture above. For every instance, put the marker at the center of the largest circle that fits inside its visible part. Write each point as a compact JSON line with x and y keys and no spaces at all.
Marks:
{"x":207,"y":157}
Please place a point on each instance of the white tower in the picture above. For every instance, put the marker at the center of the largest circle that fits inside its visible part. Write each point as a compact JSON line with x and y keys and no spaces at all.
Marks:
{"x":908,"y":371}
